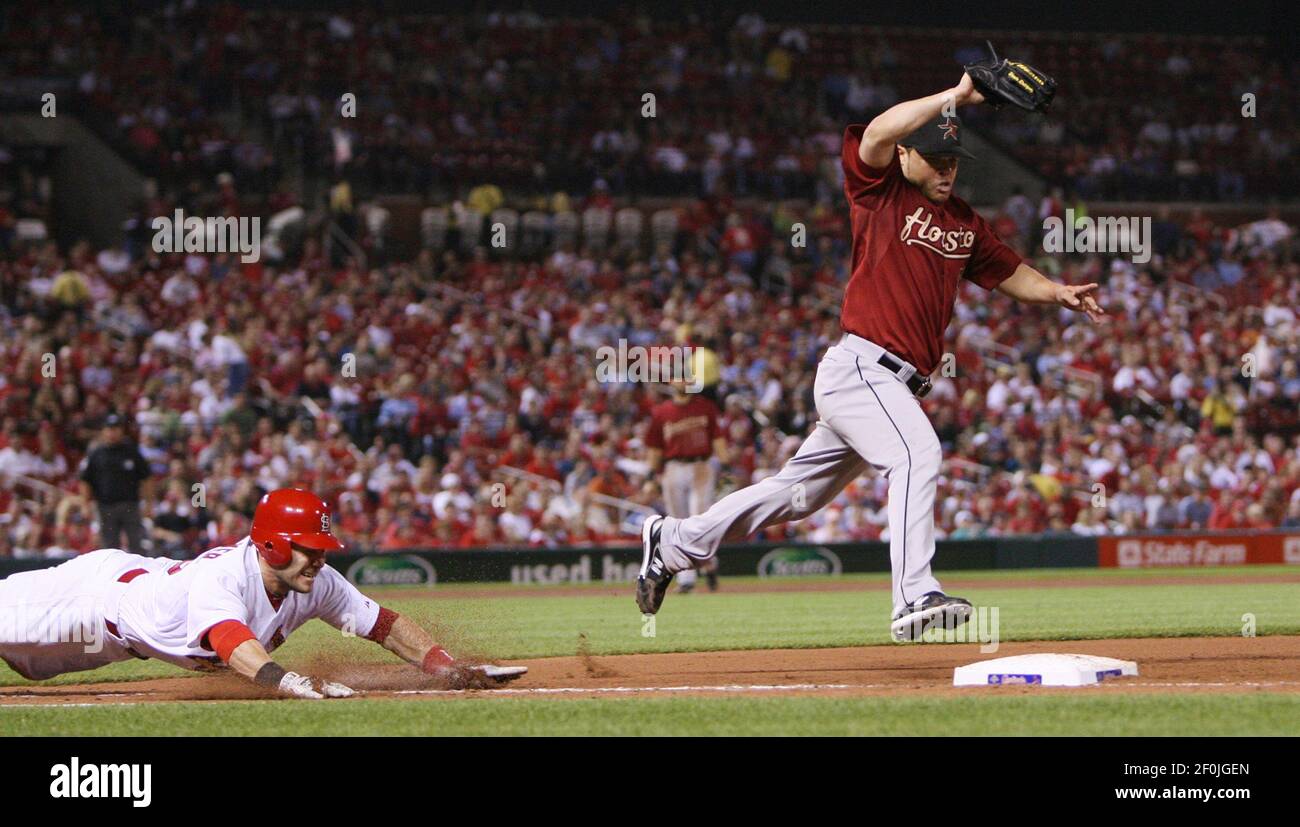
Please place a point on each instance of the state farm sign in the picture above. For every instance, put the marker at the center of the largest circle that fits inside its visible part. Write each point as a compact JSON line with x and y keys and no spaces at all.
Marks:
{"x":1291,"y":550}
{"x":1159,"y":551}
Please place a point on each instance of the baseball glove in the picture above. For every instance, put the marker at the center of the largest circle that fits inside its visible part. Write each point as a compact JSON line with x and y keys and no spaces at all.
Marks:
{"x":1003,"y":81}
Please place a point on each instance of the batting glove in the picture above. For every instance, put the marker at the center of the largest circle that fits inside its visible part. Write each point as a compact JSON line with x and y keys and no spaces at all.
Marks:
{"x":300,"y":686}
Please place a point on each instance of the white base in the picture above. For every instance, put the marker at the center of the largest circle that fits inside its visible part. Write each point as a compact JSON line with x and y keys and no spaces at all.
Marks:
{"x":1043,"y":670}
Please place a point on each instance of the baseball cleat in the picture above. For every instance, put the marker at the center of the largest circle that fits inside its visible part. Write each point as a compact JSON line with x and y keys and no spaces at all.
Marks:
{"x":712,"y":579}
{"x":685,"y":588}
{"x":935,"y":609}
{"x":652,"y":584}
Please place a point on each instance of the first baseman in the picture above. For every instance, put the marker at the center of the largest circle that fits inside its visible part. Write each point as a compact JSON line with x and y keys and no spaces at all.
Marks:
{"x":682,"y":440}
{"x":913,"y":241}
{"x":232,"y":606}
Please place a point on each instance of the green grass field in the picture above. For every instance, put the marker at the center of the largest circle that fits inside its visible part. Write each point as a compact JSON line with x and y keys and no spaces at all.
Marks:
{"x":512,"y":625}
{"x":1238,"y":714}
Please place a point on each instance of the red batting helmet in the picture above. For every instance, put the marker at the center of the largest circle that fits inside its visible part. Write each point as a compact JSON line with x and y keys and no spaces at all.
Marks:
{"x":291,"y":515}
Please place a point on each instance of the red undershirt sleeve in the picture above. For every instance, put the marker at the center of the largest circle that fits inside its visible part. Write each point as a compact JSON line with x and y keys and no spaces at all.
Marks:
{"x":383,"y":625}
{"x":226,"y":637}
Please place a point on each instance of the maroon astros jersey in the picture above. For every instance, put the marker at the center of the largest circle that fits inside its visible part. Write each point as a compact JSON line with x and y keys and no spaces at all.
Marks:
{"x":908,"y":256}
{"x":684,"y":432}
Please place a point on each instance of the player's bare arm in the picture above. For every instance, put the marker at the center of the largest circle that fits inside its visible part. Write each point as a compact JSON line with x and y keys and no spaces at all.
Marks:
{"x":406,"y":639}
{"x":251,"y":660}
{"x":902,"y":119}
{"x":248,"y":658}
{"x":409,"y":642}
{"x":1030,"y":286}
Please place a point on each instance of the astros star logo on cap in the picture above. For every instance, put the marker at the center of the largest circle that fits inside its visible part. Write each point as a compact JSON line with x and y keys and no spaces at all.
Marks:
{"x":949,"y":129}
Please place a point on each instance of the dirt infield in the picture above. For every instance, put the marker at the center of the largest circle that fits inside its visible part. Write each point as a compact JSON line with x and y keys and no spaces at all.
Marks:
{"x":1204,"y":664}
{"x":1219,"y":664}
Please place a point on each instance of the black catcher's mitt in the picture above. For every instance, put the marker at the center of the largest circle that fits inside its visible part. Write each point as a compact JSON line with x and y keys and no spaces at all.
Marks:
{"x":1003,"y":81}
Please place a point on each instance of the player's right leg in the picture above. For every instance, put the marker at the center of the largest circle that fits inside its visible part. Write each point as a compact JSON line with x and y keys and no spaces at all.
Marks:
{"x":876,"y":413}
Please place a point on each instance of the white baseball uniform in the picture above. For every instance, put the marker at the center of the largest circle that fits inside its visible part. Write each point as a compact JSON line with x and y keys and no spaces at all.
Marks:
{"x":163,"y":613}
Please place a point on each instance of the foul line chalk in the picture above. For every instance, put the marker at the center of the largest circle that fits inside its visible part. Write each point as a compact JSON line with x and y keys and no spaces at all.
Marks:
{"x":582,"y":690}
{"x":614,"y":690}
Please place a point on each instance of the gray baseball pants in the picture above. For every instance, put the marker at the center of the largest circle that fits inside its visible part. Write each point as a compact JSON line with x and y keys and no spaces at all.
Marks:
{"x":868,"y":417}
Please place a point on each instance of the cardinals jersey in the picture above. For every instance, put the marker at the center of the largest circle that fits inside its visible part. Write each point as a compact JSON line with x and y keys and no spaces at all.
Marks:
{"x":166,"y":613}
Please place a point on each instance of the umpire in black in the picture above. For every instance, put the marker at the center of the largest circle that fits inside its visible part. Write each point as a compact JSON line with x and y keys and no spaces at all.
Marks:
{"x":112,"y":473}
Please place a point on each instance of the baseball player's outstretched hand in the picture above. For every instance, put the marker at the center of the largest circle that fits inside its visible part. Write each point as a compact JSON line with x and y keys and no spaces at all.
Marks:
{"x":1079,"y":297}
{"x":301,"y":686}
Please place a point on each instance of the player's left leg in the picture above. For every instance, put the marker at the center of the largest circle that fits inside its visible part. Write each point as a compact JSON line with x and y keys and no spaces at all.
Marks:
{"x":819,"y":470}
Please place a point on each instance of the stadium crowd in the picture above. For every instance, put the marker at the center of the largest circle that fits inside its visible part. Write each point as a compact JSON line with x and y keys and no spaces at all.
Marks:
{"x":452,"y":400}
{"x":443,"y":103}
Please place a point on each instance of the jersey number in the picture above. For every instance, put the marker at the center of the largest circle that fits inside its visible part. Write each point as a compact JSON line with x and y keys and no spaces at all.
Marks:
{"x":211,"y":555}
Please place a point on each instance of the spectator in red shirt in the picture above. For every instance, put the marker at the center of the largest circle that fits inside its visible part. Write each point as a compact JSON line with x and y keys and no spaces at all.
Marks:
{"x":402,"y":532}
{"x":739,"y":247}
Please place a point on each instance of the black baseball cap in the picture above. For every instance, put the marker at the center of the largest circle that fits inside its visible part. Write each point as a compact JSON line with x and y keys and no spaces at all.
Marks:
{"x":938,"y":136}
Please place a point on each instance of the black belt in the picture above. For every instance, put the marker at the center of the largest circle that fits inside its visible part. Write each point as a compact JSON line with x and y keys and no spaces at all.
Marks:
{"x":919,"y":385}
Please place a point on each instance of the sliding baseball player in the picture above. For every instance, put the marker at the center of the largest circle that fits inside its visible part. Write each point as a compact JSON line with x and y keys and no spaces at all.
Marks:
{"x":229,"y":608}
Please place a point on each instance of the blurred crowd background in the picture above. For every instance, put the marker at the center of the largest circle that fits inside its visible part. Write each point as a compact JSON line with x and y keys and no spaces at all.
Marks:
{"x":448,"y":397}
{"x":447,"y":102}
